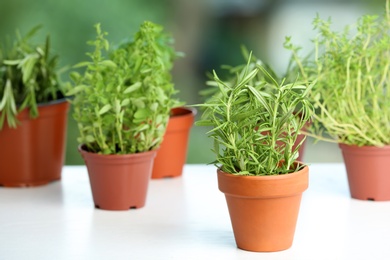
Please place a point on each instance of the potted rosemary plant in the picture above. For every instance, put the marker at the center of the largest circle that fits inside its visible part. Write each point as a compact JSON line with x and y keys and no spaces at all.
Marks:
{"x":290,"y":77}
{"x":33,"y":113}
{"x":352,"y":99}
{"x":122,"y":107}
{"x":254,"y":129}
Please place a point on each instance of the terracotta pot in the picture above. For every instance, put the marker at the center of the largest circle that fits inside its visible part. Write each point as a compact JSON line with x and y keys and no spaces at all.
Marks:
{"x":368,"y":171}
{"x":263,"y":209}
{"x":119,"y":182}
{"x":172,"y":153}
{"x":33,"y":153}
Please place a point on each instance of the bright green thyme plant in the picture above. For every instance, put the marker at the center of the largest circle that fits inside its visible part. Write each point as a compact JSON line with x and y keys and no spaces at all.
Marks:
{"x":352,"y":94}
{"x":253,"y":128}
{"x":123,"y":100}
{"x":28,"y":76}
{"x":161,"y":51}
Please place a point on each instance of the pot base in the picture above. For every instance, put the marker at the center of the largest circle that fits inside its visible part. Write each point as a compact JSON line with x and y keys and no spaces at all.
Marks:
{"x":367,"y":171}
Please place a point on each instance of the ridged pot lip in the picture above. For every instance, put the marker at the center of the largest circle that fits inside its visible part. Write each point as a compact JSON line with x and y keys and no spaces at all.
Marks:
{"x":135,"y":156}
{"x":178,"y":112}
{"x":46,"y":109}
{"x":368,"y":149}
{"x":265,"y":177}
{"x":182,"y":119}
{"x":264,"y":186}
{"x":57,"y":101}
{"x":54,"y":102}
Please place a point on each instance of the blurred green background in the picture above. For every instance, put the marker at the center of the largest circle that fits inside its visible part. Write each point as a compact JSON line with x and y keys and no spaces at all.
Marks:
{"x":209,"y":32}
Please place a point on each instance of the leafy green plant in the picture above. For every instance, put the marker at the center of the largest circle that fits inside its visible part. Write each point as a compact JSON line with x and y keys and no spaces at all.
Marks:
{"x":123,"y":100}
{"x":28,"y":76}
{"x":253,"y":122}
{"x":212,"y":90}
{"x":352,"y":68}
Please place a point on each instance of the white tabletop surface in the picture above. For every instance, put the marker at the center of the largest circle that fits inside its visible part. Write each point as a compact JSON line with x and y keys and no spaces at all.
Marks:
{"x":184,"y":218}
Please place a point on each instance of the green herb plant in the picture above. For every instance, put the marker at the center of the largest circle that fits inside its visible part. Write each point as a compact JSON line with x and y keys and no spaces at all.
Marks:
{"x":253,"y":122}
{"x":352,"y":68}
{"x":213,"y":90}
{"x":123,"y":100}
{"x":28,"y":77}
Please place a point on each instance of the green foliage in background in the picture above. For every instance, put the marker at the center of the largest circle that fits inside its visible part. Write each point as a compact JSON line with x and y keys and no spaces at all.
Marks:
{"x":28,"y":76}
{"x":352,"y":68}
{"x":254,"y":122}
{"x":69,"y":25}
{"x":230,"y":72}
{"x":123,"y":100}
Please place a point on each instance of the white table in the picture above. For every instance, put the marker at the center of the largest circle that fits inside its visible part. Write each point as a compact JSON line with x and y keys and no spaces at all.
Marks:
{"x":184,"y":218}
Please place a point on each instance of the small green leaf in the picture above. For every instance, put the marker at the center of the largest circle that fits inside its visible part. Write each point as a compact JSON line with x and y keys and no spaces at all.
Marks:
{"x":76,"y":90}
{"x":27,"y":66}
{"x":154,"y":106}
{"x":141,"y":114}
{"x":12,"y":62}
{"x":125,"y":102}
{"x":108,"y":63}
{"x":104,"y":109}
{"x":82,"y":64}
{"x":132,"y":88}
{"x":89,"y":139}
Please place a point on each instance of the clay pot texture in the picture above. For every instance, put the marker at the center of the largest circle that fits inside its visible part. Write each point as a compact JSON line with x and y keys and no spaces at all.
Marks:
{"x":33,"y":153}
{"x":368,"y":171}
{"x":119,"y":182}
{"x":264,"y":209}
{"x":172,"y":153}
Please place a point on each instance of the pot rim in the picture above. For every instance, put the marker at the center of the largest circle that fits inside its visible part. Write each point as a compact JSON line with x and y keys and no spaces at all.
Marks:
{"x":264,"y":186}
{"x":183,"y":111}
{"x":365,"y":150}
{"x":354,"y":146}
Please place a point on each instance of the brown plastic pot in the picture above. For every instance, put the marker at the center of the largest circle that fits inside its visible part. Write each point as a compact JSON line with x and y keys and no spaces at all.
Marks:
{"x":33,"y":153}
{"x":368,"y":171}
{"x":172,"y":153}
{"x":263,"y":209}
{"x":119,"y":182}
